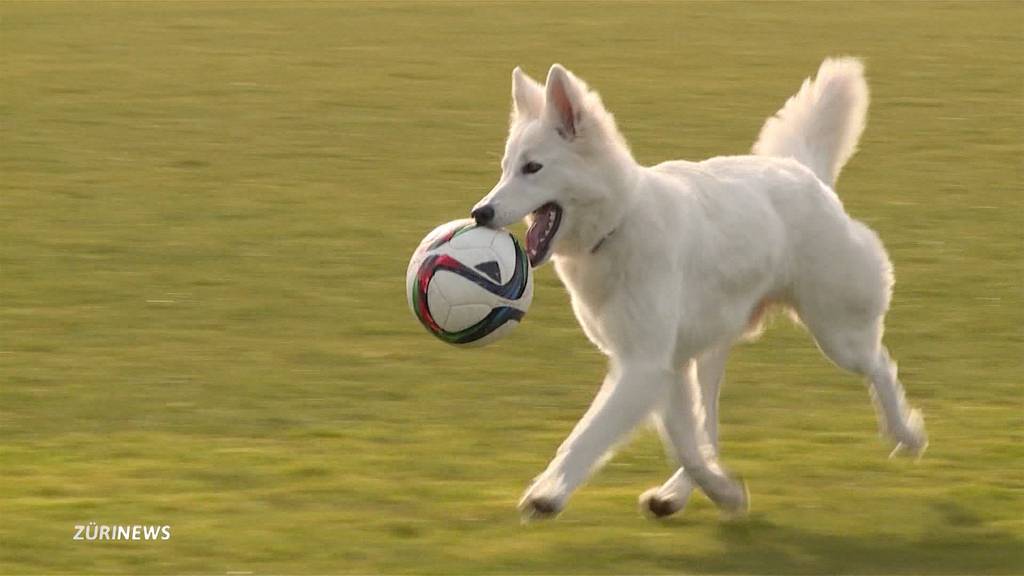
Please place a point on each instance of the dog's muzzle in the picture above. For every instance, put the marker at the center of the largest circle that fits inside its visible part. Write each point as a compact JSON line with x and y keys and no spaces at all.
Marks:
{"x":483,"y":215}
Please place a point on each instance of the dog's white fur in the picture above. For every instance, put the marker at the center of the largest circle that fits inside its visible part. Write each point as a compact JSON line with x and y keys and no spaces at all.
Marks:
{"x":668,"y":266}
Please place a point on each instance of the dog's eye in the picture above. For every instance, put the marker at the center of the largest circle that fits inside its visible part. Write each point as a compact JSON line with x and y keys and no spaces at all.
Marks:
{"x":531,"y":168}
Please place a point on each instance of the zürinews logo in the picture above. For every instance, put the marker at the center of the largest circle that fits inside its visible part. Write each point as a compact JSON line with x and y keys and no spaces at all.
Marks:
{"x":93,"y":531}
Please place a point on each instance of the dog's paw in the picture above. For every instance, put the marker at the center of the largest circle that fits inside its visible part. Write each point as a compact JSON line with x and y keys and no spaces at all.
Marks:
{"x":729,"y":494}
{"x":912,"y":439}
{"x":655,"y":505}
{"x":543,"y":500}
{"x":736,"y":501}
{"x":532,"y":509}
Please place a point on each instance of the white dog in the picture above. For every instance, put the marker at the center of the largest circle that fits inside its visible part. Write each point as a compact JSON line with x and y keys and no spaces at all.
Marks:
{"x":668,"y":266}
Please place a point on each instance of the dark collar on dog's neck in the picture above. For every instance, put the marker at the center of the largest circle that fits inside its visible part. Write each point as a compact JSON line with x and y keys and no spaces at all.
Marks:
{"x":602,"y":241}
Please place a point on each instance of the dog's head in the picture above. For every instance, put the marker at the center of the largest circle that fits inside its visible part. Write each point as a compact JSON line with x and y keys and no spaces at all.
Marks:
{"x":564,"y":160}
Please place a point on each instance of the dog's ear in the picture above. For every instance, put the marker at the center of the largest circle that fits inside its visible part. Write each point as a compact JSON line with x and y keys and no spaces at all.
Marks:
{"x":527,"y":96}
{"x":564,"y":101}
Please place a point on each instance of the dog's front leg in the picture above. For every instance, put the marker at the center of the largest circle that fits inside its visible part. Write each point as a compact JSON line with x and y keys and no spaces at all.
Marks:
{"x":684,"y":425}
{"x":628,"y":395}
{"x":671,"y":496}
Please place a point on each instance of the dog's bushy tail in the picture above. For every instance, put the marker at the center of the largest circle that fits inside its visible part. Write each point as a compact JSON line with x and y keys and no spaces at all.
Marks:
{"x":821,"y":124}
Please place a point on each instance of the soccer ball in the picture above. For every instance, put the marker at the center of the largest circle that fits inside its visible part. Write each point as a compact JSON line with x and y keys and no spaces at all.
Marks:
{"x":469,"y":285}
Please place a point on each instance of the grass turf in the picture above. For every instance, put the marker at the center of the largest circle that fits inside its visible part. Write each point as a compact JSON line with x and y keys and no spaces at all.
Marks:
{"x":205,"y":217}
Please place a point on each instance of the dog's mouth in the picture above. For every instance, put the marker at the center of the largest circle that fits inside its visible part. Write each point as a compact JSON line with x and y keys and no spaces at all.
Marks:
{"x":542,"y":231}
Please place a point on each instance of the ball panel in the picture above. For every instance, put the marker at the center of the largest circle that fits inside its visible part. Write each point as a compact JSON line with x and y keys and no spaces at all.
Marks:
{"x":493,"y":336}
{"x":473,"y":237}
{"x":445,"y":232}
{"x":438,"y":305}
{"x":470,"y":277}
{"x":469,"y":257}
{"x":504,"y":248}
{"x":524,"y":301}
{"x":464,"y":291}
{"x":481,"y":332}
{"x":418,"y":281}
{"x":465,"y":315}
{"x":520,"y":275}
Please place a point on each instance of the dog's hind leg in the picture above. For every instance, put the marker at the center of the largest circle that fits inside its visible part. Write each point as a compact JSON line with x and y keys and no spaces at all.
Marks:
{"x":853,"y":342}
{"x":844,"y":307}
{"x":671,"y":497}
{"x":902,"y":424}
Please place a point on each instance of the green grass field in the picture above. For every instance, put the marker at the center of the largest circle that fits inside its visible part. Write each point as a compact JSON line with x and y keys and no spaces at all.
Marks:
{"x":205,"y":219}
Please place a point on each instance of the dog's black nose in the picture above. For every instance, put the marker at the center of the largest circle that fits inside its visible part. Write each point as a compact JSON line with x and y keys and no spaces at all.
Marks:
{"x":483,"y":215}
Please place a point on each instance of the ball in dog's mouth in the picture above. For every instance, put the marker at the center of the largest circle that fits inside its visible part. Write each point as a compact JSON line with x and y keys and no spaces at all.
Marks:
{"x":542,"y":230}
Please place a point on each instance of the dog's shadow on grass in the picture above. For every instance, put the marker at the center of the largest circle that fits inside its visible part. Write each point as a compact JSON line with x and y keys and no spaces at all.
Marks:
{"x":959,"y":544}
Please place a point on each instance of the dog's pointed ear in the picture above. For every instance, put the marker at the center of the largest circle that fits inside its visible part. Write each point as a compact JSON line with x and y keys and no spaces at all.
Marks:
{"x":564,"y":101}
{"x":527,"y":96}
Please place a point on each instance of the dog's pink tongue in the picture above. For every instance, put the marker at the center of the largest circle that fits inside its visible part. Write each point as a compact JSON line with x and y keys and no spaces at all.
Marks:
{"x":535,"y":233}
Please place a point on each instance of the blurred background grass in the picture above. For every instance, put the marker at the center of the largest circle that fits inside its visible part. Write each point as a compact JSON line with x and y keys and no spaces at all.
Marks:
{"x":205,"y":218}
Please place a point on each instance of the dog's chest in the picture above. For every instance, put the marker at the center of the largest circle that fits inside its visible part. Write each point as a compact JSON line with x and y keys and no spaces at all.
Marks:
{"x":592,"y":290}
